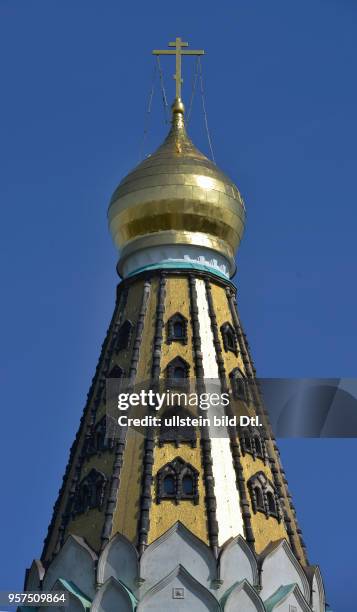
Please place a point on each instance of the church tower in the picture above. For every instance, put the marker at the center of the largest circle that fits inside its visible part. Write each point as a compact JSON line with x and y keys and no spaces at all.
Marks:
{"x":176,"y":518}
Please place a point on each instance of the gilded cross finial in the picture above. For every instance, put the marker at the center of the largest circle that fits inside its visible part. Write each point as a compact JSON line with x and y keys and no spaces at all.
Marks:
{"x":179,"y":52}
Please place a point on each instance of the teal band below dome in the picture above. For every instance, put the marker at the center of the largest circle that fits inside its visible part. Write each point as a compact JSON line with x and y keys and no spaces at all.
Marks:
{"x":179,"y":266}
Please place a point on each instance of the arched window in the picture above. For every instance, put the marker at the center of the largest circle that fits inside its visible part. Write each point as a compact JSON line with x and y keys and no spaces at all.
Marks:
{"x":115,"y":372}
{"x":177,"y":329}
{"x":177,"y":372}
{"x":84,"y":497}
{"x":187,"y":485}
{"x":247,"y":440}
{"x":252,"y":442}
{"x":99,"y":435}
{"x":113,"y":384}
{"x":169,"y":485}
{"x":259,"y":500}
{"x":229,"y":338}
{"x":177,"y":480}
{"x":263,"y":496}
{"x":171,"y":431}
{"x":271,"y":503}
{"x":258,"y":446}
{"x":239,"y":385}
{"x":90,"y":492}
{"x":124,"y":336}
{"x":100,"y":439}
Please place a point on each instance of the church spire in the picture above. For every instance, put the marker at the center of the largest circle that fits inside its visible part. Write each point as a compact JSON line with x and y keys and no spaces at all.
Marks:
{"x":177,"y":511}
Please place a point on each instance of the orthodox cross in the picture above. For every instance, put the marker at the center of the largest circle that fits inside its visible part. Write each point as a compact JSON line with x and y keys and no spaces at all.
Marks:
{"x":178,"y":44}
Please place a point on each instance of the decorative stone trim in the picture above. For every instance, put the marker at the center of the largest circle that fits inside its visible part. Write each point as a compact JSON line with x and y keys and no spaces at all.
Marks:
{"x":271,"y":445}
{"x":229,"y":338}
{"x":120,"y":444}
{"x":210,"y":498}
{"x":90,"y":493}
{"x":240,"y":386}
{"x":177,"y":373}
{"x":99,"y":440}
{"x":180,"y":272}
{"x":139,"y":332}
{"x":148,"y":458}
{"x":116,"y":372}
{"x":253,"y":443}
{"x":177,"y":435}
{"x":124,"y":336}
{"x":94,"y":399}
{"x":175,"y":473}
{"x":264,"y":496}
{"x":177,"y":329}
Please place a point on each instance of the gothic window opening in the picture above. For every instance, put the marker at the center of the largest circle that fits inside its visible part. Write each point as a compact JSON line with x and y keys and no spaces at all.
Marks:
{"x":169,"y":485}
{"x":178,"y":481}
{"x":90,"y":493}
{"x":271,"y":503}
{"x":229,"y":338}
{"x":177,"y":329}
{"x":259,"y":500}
{"x":187,"y":485}
{"x":264,"y":497}
{"x":258,"y":446}
{"x":177,"y":372}
{"x":124,"y":336}
{"x":99,"y":436}
{"x":100,"y":439}
{"x":239,"y":385}
{"x":113,"y":384}
{"x":115,"y":372}
{"x":247,"y":443}
{"x":170,"y":430}
{"x":252,"y":442}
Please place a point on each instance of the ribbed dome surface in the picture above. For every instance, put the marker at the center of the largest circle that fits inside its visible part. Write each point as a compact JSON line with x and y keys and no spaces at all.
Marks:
{"x":178,"y":196}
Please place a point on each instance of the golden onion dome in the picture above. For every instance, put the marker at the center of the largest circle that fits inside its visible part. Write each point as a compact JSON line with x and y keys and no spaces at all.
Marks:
{"x":176,"y":198}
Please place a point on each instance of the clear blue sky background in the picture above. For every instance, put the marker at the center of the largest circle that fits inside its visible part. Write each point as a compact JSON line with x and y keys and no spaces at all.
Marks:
{"x":281,"y":97}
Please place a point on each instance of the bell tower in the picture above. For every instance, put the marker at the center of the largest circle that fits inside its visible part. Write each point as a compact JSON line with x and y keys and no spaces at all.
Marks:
{"x":177,"y":518}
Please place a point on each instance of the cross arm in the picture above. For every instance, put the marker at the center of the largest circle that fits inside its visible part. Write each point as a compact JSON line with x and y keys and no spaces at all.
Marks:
{"x":169,"y":52}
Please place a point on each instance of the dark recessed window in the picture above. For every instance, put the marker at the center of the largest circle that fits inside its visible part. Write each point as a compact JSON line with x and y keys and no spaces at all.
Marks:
{"x":177,"y":372}
{"x":229,"y":338}
{"x":90,"y":493}
{"x":172,"y":432}
{"x":177,"y":329}
{"x":247,"y":443}
{"x":271,"y":503}
{"x":169,"y":485}
{"x":252,"y":442}
{"x":115,"y":372}
{"x":239,"y":385}
{"x":263,"y":496}
{"x":259,"y":498}
{"x":178,"y":481}
{"x":187,"y":485}
{"x":258,"y":446}
{"x":124,"y":336}
{"x":100,"y":440}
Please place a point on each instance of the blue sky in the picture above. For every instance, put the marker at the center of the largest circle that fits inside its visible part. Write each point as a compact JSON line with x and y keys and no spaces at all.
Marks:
{"x":281,"y":95}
